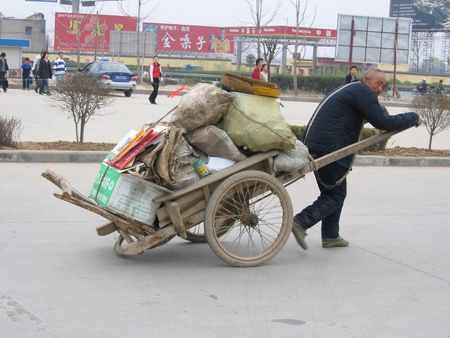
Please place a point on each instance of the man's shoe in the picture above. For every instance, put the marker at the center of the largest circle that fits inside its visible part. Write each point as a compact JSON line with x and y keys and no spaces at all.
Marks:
{"x":334,"y":242}
{"x":299,"y":234}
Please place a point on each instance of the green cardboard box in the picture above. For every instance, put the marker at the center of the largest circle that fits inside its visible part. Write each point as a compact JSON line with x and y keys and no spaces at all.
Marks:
{"x":126,"y":194}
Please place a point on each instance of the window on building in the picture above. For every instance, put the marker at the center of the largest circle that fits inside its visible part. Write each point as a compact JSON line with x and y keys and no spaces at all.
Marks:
{"x":28,"y":30}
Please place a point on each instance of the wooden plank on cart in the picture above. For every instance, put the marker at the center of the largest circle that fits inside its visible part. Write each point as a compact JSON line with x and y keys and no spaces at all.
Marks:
{"x":216,"y":176}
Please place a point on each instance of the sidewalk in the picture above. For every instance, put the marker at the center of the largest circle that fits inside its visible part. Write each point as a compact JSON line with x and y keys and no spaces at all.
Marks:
{"x":44,"y":123}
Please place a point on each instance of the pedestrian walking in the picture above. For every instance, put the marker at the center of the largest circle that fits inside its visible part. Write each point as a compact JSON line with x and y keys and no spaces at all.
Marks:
{"x":3,"y":69}
{"x":59,"y":70}
{"x":155,"y":78}
{"x":45,"y":73}
{"x":26,"y":74}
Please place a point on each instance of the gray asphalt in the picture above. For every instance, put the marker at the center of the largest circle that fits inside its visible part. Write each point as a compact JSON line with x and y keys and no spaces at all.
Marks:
{"x":59,"y":279}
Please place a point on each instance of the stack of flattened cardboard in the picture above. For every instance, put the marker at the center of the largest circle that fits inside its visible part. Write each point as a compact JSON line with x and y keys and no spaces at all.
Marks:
{"x":248,"y":85}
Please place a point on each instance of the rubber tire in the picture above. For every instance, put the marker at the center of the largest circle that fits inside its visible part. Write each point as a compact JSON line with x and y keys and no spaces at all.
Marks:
{"x":259,"y":242}
{"x":196,"y":234}
{"x":128,"y":92}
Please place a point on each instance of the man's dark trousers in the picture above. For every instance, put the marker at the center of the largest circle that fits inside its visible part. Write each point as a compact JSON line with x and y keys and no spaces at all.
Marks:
{"x":328,"y":206}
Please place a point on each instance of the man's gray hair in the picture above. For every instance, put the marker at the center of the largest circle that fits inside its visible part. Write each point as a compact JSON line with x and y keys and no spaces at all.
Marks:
{"x":369,"y":73}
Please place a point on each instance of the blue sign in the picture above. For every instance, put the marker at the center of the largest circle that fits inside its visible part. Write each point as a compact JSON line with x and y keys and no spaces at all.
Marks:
{"x":14,"y":43}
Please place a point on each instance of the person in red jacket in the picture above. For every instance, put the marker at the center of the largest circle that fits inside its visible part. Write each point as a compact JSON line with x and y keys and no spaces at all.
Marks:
{"x":155,"y":78}
{"x":257,"y":71}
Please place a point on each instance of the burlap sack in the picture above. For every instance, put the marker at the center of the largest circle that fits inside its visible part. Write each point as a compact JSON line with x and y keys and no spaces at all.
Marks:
{"x":214,"y":142}
{"x":204,"y":104}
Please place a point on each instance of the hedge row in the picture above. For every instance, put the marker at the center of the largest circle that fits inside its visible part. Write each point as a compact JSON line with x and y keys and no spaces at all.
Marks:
{"x":321,"y":84}
{"x":366,"y":133}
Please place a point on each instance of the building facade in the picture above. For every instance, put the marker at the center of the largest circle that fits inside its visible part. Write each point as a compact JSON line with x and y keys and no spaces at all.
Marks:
{"x":31,"y":28}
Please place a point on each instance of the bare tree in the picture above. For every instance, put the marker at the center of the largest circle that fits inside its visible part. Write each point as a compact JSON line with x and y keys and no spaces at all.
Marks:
{"x":10,"y":130}
{"x":299,"y":54}
{"x":262,"y":17}
{"x":82,"y":96}
{"x":434,"y":109}
{"x":139,"y":19}
{"x":270,"y":51}
{"x":417,"y":49}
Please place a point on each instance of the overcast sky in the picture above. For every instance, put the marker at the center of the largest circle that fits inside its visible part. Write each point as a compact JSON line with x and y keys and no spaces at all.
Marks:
{"x":207,"y":12}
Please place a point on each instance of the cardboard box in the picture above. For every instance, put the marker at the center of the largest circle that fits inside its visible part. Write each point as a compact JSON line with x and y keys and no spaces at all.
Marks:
{"x":126,"y":194}
{"x":248,"y":85}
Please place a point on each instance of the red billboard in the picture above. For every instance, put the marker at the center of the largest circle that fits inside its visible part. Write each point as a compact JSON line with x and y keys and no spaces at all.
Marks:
{"x":88,"y":32}
{"x":190,"y":40}
{"x":171,"y":39}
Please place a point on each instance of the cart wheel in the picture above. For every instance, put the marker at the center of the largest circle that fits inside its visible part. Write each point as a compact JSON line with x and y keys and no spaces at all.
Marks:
{"x":196,"y":234}
{"x":248,"y":218}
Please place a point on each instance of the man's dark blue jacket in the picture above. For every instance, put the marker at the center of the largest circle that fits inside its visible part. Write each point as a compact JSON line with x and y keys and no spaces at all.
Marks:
{"x":338,"y":119}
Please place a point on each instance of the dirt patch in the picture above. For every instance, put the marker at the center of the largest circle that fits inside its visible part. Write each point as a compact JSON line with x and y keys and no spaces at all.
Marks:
{"x":63,"y":145}
{"x":90,"y":146}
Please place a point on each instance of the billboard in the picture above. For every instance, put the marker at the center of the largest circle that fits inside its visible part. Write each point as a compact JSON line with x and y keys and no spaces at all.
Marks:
{"x":373,"y":40}
{"x":88,"y":32}
{"x":286,"y":31}
{"x":430,"y":14}
{"x":188,"y":40}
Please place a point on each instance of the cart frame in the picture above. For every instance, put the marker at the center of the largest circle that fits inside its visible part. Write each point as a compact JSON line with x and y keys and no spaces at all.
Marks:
{"x":225,"y":201}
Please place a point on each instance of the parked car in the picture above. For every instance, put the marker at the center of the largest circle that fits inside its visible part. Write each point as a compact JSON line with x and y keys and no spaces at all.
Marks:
{"x":114,"y":74}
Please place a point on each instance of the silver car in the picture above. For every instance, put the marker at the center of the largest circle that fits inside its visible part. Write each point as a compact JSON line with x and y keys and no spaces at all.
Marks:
{"x":114,"y":74}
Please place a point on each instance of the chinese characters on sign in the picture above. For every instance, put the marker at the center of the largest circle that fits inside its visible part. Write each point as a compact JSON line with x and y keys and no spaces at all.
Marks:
{"x":88,"y":32}
{"x":190,"y":40}
{"x":197,"y":40}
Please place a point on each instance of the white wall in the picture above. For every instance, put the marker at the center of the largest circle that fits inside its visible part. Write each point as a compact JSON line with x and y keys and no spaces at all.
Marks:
{"x":13,"y":55}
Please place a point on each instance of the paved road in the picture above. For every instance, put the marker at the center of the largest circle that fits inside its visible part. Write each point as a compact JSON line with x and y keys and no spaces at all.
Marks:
{"x":59,"y":279}
{"x":43,"y":123}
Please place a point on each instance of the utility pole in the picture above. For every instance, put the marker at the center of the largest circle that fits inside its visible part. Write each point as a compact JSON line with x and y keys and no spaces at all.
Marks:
{"x":76,"y":6}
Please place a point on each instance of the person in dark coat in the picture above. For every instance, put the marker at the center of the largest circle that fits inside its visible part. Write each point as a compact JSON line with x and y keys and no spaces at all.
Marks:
{"x":337,"y":123}
{"x":3,"y":69}
{"x":351,"y":77}
{"x":45,"y":73}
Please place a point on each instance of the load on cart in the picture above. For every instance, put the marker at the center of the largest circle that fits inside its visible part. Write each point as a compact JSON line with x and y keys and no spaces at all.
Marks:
{"x":217,"y":173}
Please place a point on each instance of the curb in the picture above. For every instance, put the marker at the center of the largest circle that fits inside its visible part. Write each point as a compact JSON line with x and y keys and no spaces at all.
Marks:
{"x":65,"y":156}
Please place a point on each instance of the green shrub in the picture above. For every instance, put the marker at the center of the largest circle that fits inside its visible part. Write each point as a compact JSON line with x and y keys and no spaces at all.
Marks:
{"x":366,"y":133}
{"x":297,"y":131}
{"x":169,"y":82}
{"x":369,"y":132}
{"x":320,"y":84}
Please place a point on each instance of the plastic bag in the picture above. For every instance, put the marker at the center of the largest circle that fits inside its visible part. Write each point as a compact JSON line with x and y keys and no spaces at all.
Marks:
{"x":214,"y":142}
{"x":204,"y":104}
{"x":293,"y":160}
{"x":256,"y":122}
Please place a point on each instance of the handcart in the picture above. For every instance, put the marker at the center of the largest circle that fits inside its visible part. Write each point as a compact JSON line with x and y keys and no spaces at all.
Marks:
{"x":244,"y":212}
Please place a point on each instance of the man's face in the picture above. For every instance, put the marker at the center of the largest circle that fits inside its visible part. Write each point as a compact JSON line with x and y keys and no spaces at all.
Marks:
{"x":377,"y":83}
{"x":61,"y":55}
{"x":353,"y":71}
{"x":260,"y":64}
{"x":222,"y":34}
